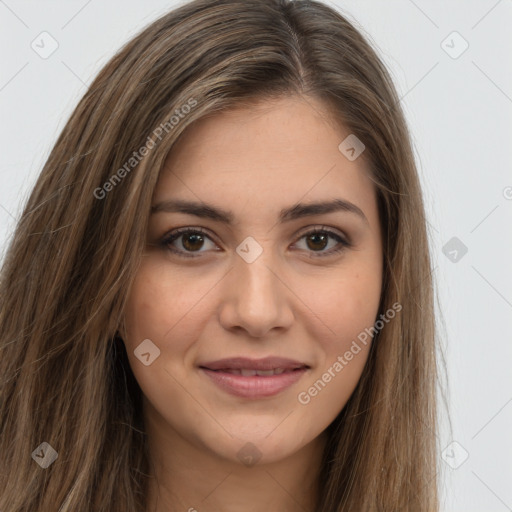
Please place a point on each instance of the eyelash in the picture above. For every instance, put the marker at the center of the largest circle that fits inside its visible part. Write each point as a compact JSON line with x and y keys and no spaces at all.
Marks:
{"x":174,"y":235}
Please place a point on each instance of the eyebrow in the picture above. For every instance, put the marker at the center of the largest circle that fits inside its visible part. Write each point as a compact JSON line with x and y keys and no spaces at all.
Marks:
{"x":297,"y":211}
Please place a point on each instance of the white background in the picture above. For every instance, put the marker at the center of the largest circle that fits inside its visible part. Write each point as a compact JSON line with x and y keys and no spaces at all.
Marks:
{"x":460,"y":114}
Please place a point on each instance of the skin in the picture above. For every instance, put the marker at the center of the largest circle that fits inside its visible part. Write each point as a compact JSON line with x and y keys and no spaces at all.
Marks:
{"x":290,"y":302}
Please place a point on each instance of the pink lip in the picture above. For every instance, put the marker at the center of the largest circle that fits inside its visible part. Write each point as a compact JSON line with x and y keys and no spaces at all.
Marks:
{"x":255,"y":386}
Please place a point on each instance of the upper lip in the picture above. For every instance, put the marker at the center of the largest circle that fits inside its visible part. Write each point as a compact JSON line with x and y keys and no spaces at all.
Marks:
{"x":267,"y":363}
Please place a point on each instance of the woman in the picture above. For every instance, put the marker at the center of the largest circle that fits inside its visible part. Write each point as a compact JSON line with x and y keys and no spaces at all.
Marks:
{"x":219,"y":296}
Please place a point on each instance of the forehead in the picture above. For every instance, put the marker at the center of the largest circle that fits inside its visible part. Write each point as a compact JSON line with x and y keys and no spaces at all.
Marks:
{"x":272,"y":153}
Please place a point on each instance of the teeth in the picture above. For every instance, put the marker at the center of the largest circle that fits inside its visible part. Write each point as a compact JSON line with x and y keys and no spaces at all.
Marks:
{"x":265,"y":373}
{"x":251,"y":373}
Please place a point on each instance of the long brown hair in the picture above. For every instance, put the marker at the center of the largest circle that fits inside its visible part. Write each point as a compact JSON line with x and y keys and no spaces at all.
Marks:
{"x":65,"y":377}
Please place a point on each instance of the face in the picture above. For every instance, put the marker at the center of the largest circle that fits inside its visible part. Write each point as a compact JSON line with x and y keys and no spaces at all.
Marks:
{"x":243,"y":314}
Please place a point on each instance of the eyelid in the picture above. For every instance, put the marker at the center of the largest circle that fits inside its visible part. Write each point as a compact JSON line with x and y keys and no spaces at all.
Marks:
{"x":344,"y":241}
{"x":320,"y":228}
{"x":174,"y":234}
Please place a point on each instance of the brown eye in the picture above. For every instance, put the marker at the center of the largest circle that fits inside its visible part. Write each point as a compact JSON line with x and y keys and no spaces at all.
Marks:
{"x":319,"y":239}
{"x":192,"y":242}
{"x":187,"y":241}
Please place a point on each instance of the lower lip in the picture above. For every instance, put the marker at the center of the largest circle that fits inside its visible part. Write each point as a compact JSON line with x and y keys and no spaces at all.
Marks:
{"x":255,"y":386}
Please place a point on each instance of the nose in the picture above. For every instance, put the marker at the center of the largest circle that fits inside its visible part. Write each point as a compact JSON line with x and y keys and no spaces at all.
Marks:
{"x":256,"y":298}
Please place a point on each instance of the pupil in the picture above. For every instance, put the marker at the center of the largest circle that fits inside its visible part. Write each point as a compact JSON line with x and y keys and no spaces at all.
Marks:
{"x":316,"y":237}
{"x":196,"y":239}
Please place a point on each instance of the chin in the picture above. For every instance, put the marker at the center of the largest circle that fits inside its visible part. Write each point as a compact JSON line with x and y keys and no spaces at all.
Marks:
{"x":258,"y":448}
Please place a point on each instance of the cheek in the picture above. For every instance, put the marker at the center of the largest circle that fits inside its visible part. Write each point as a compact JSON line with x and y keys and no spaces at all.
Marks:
{"x":166,"y":310}
{"x":344,"y":354}
{"x":160,"y":306}
{"x":171,"y":310}
{"x":348,"y":309}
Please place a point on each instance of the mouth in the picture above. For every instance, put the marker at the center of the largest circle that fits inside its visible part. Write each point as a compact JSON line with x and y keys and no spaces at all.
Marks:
{"x":257,"y":365}
{"x":254,"y":378}
{"x":247,"y":372}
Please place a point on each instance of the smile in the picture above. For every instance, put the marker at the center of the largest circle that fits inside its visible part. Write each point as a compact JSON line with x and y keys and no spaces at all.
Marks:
{"x":254,"y":378}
